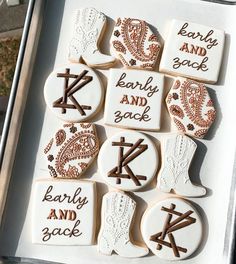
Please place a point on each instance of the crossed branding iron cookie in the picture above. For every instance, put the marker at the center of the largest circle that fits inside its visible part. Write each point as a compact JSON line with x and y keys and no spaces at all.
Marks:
{"x":172,"y":229}
{"x":190,"y":107}
{"x":73,"y":93}
{"x":134,"y":43}
{"x":64,"y":212}
{"x":117,"y":215}
{"x":128,"y":160}
{"x":194,"y":51}
{"x":71,"y":150}
{"x":89,"y":26}
{"x":134,"y":99}
{"x":177,"y":154}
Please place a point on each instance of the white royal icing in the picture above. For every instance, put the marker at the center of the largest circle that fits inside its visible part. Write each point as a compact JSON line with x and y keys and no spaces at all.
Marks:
{"x":128,"y":160}
{"x":172,"y":224}
{"x":64,"y":212}
{"x":134,"y":99}
{"x":117,"y":216}
{"x":193,"y":50}
{"x":83,"y":97}
{"x":88,"y":28}
{"x":177,"y":153}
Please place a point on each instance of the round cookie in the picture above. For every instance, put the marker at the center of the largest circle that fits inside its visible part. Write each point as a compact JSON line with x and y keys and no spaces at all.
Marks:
{"x":73,"y":93}
{"x":172,"y":229}
{"x":128,"y":160}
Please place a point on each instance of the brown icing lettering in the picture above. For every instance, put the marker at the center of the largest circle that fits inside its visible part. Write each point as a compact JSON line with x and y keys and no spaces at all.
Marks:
{"x":188,"y":63}
{"x":189,"y":48}
{"x":147,"y":87}
{"x":134,"y":100}
{"x":211,"y":42}
{"x":62,"y":215}
{"x":129,"y":115}
{"x":74,"y":232}
{"x":74,"y":199}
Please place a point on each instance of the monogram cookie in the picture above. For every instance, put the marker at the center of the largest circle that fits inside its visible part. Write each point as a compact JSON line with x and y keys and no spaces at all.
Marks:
{"x":177,"y":154}
{"x":117,"y":215}
{"x":194,"y":51}
{"x":134,"y":99}
{"x":190,"y":107}
{"x":128,"y":161}
{"x":73,"y":93}
{"x":172,"y":229}
{"x":64,"y":212}
{"x":134,"y":43}
{"x":71,"y":150}
{"x":89,"y":25}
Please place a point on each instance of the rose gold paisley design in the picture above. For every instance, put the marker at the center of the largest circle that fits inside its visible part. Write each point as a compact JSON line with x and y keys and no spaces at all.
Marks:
{"x":134,"y":33}
{"x":85,"y":125}
{"x":48,"y":147}
{"x":119,"y":46}
{"x":60,"y":137}
{"x":175,"y":110}
{"x":81,"y":145}
{"x":193,"y":95}
{"x":189,"y":103}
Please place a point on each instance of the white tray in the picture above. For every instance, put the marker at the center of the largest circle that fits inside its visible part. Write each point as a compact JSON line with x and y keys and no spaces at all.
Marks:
{"x":214,"y":163}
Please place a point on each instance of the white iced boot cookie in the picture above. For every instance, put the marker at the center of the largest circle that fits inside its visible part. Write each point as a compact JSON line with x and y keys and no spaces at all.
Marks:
{"x":134,"y":99}
{"x":193,"y":50}
{"x":134,"y":44}
{"x":73,"y":93}
{"x":128,"y":160}
{"x":117,"y":215}
{"x":64,"y":212}
{"x":71,"y":150}
{"x":190,"y":107}
{"x":172,"y":229}
{"x":88,"y":29}
{"x":177,"y":154}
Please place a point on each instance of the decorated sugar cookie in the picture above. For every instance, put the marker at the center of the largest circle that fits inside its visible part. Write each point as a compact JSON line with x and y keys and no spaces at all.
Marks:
{"x":134,"y":99}
{"x":128,"y":160}
{"x":190,"y":107}
{"x":172,"y":229}
{"x":71,"y":150}
{"x":177,"y":154}
{"x":193,"y":50}
{"x":64,"y":212}
{"x":89,"y":26}
{"x":117,"y":215}
{"x":73,"y":93}
{"x":134,"y":43}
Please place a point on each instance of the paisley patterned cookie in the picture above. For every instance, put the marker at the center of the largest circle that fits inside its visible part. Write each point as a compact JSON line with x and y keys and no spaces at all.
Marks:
{"x":73,"y":93}
{"x":89,"y":25}
{"x":193,"y":50}
{"x":190,"y":107}
{"x":72,"y":149}
{"x":117,"y":215}
{"x":134,"y":44}
{"x":64,"y":212}
{"x":172,"y":229}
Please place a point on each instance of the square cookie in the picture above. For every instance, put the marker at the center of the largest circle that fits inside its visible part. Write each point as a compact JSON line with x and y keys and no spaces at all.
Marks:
{"x":194,"y":51}
{"x":64,"y":212}
{"x":134,"y":99}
